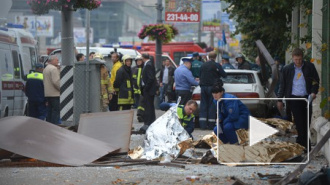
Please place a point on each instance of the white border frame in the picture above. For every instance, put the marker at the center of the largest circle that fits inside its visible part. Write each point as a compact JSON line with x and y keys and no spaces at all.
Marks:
{"x":258,"y":163}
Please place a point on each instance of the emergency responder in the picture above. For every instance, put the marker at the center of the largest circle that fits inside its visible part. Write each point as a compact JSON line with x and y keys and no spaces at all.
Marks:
{"x":136,"y":75}
{"x":137,"y":72}
{"x":210,"y":73}
{"x":196,"y":65}
{"x":233,"y":114}
{"x":185,"y":114}
{"x":242,"y":63}
{"x":34,"y":90}
{"x":225,"y":62}
{"x":106,"y":87}
{"x":124,"y":83}
{"x":184,"y":80}
{"x":116,"y":65}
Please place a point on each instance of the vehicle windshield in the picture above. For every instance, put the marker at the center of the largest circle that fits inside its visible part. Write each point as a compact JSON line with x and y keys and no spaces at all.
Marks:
{"x":239,"y":78}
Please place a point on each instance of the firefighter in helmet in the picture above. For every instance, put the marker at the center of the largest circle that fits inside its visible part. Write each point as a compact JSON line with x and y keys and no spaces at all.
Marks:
{"x":106,"y":88}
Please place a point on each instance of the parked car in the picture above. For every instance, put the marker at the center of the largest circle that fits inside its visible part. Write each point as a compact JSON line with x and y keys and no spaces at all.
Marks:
{"x":244,"y":84}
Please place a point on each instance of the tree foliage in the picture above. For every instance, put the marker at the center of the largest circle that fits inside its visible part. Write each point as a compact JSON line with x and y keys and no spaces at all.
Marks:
{"x":267,"y":20}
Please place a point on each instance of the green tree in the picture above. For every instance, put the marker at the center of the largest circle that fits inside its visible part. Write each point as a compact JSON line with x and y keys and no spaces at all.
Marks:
{"x":267,"y":20}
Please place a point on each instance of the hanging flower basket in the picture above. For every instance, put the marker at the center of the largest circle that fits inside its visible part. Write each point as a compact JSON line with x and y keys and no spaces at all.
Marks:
{"x":40,"y":7}
{"x":164,"y":32}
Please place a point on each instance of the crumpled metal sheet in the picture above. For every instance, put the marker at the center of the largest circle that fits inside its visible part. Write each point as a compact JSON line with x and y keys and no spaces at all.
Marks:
{"x":163,"y":136}
{"x":44,"y":141}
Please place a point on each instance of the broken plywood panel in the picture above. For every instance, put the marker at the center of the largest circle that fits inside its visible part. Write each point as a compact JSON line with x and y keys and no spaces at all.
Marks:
{"x":263,"y":152}
{"x":110,"y":127}
{"x":44,"y":141}
{"x":280,"y":124}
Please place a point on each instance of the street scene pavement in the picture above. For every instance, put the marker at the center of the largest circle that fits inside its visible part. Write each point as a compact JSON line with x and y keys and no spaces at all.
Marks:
{"x":148,"y":174}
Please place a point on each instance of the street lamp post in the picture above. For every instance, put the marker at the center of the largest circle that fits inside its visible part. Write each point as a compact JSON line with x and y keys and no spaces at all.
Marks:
{"x":159,"y":8}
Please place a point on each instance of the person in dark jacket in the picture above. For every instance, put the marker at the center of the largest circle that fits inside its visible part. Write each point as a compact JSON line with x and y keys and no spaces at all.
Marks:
{"x":299,"y":79}
{"x":242,"y":63}
{"x":233,"y":115}
{"x":166,"y":79}
{"x":34,"y":90}
{"x":124,"y":82}
{"x":148,"y":90}
{"x":136,"y":75}
{"x":137,"y":79}
{"x":196,"y":65}
{"x":210,"y":73}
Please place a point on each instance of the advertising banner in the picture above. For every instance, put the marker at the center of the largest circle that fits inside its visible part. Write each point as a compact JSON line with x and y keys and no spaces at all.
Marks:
{"x":182,"y":10}
{"x":79,"y":35}
{"x":42,"y":26}
{"x":211,"y":15}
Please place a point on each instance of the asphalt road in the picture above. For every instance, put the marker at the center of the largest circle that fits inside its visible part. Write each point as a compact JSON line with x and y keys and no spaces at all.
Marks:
{"x":143,"y":174}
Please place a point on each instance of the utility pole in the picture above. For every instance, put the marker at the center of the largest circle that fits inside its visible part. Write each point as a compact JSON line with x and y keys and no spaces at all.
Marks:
{"x":159,"y":8}
{"x":200,"y":24}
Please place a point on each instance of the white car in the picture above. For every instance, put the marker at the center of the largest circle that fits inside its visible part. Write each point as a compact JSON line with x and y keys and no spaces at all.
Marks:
{"x":244,"y":84}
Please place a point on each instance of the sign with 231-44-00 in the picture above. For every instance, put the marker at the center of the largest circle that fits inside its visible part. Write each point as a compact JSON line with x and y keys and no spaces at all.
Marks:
{"x":182,"y":10}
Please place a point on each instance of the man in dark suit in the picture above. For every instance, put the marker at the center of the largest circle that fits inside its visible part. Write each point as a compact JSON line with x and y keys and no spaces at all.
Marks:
{"x":299,"y":79}
{"x":148,"y":90}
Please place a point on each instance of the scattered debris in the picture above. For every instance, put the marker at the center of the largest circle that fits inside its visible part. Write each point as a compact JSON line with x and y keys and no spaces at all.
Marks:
{"x":280,"y":124}
{"x":110,"y":127}
{"x":136,"y":153}
{"x":41,"y":140}
{"x":300,"y":168}
{"x":209,"y":158}
{"x":263,"y":152}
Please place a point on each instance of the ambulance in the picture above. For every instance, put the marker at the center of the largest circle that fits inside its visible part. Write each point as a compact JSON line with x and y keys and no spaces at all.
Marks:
{"x":18,"y":56}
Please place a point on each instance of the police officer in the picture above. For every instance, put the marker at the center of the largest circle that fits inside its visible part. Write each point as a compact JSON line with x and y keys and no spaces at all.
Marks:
{"x":210,"y":73}
{"x":225,"y":62}
{"x":34,"y":90}
{"x":196,"y":65}
{"x":233,"y":114}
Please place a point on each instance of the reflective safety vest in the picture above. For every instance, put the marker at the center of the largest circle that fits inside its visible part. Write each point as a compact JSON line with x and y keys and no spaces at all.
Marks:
{"x":137,"y":80}
{"x":183,"y":118}
{"x":35,"y":75}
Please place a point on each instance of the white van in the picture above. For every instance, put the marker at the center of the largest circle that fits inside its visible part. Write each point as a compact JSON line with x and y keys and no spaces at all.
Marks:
{"x":13,"y":70}
{"x":27,"y":47}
